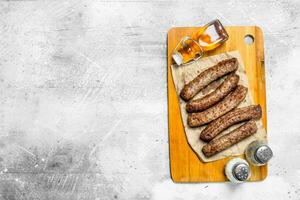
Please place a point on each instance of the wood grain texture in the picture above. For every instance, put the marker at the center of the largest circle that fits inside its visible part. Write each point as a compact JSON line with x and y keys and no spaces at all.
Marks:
{"x":184,"y":163}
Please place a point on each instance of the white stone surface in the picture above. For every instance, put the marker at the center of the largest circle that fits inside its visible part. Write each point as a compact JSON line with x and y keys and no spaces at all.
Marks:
{"x":83,"y":95}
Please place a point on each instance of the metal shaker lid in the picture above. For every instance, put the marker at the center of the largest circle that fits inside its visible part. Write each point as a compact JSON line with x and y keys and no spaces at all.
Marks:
{"x":263,"y":154}
{"x":241,"y":171}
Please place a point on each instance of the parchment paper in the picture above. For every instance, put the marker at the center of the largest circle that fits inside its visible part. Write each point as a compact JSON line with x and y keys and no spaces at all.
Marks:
{"x":184,"y":74}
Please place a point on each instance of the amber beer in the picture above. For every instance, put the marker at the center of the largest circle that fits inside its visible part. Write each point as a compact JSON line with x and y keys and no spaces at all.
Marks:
{"x":187,"y":50}
{"x":206,"y":38}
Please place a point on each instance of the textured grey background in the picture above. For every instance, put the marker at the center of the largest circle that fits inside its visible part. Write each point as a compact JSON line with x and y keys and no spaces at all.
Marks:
{"x":83,"y":111}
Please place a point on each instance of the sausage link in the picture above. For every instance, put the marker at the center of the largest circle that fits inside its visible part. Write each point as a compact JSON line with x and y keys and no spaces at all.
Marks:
{"x":219,"y":144}
{"x":217,"y":95}
{"x":209,"y":75}
{"x":233,"y":117}
{"x":227,"y":104}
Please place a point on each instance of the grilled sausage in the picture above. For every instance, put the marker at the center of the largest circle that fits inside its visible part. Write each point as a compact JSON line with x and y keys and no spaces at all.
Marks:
{"x":219,"y":144}
{"x":233,"y":117}
{"x":212,"y":98}
{"x":227,"y":104}
{"x":209,"y":75}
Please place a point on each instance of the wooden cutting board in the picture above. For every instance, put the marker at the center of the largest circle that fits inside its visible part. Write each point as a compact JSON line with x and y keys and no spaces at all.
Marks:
{"x":185,"y":165}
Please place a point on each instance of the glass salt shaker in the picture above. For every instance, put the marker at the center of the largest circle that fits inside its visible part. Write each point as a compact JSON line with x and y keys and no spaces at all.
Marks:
{"x":258,"y":153}
{"x":237,"y":170}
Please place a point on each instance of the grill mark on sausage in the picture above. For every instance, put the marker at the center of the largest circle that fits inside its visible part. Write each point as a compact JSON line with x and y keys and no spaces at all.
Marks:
{"x":231,"y":101}
{"x":217,"y":95}
{"x":209,"y":75}
{"x":224,"y":142}
{"x":233,"y":117}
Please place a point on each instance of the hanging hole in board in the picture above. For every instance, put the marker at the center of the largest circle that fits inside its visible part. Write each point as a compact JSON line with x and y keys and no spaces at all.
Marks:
{"x":248,"y":39}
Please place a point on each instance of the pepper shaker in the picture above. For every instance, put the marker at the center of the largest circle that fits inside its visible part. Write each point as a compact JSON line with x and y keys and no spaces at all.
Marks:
{"x":258,"y":153}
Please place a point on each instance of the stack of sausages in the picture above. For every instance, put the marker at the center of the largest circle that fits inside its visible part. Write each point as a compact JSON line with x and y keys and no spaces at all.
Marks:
{"x":218,"y":109}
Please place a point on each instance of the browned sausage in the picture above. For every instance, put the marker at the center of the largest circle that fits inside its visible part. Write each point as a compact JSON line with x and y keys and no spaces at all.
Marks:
{"x":209,"y":75}
{"x":219,"y":144}
{"x":227,"y":104}
{"x":233,"y":117}
{"x":217,"y":95}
